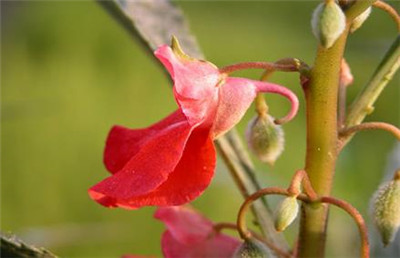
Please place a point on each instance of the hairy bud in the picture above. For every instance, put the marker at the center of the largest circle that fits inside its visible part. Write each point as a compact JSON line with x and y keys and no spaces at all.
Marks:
{"x":386,"y":209}
{"x":252,"y":248}
{"x":286,"y":213}
{"x":359,"y":20}
{"x":265,"y":138}
{"x":328,"y":22}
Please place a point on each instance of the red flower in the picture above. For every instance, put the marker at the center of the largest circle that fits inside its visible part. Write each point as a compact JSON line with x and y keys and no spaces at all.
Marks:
{"x":173,"y":161}
{"x":197,"y":240}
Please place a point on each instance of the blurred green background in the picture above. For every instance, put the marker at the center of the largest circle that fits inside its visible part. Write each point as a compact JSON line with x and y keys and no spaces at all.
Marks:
{"x":70,"y":72}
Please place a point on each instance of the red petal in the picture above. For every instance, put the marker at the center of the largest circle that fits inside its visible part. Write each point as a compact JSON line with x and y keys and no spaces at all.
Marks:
{"x":123,"y":143}
{"x":187,"y":181}
{"x":220,"y":246}
{"x":149,"y":168}
{"x":177,"y":219}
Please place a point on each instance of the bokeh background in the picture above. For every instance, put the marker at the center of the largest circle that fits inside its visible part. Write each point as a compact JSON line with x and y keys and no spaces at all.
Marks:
{"x":69,"y":72}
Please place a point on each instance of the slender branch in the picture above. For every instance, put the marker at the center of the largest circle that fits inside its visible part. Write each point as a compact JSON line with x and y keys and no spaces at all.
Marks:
{"x":241,"y":169}
{"x":227,"y":225}
{"x":357,"y":218}
{"x":370,"y":126}
{"x":299,"y":179}
{"x":241,"y":219}
{"x":261,"y":105}
{"x":390,"y":10}
{"x":11,"y":246}
{"x":258,"y":65}
{"x":363,"y":104}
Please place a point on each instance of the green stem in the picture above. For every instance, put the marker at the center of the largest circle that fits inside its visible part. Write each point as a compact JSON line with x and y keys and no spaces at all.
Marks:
{"x":321,"y":98}
{"x":322,"y":136}
{"x":363,"y":104}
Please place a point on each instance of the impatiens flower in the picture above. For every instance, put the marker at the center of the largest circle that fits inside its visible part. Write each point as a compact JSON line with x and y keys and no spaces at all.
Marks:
{"x":173,"y":161}
{"x":189,"y":234}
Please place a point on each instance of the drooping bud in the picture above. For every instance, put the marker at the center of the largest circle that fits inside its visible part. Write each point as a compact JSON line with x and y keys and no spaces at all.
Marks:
{"x":328,"y":22}
{"x":359,"y":20}
{"x":386,"y":209}
{"x":252,"y":248}
{"x":346,"y":77}
{"x":286,"y":213}
{"x":265,"y":138}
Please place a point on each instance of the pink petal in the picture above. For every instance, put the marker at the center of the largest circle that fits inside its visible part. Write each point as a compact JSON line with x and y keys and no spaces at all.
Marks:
{"x":123,"y":143}
{"x":186,"y":181}
{"x":177,"y":219}
{"x":195,"y":84}
{"x":189,"y":234}
{"x":220,"y":246}
{"x":149,"y":168}
{"x":235,"y":97}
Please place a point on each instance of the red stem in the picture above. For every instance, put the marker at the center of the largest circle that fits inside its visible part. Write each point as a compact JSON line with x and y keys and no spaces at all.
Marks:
{"x":357,"y":218}
{"x":258,"y":65}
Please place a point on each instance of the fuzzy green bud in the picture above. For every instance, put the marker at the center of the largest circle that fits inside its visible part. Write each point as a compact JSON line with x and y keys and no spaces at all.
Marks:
{"x":328,"y":22}
{"x":286,"y":213}
{"x":386,"y":209}
{"x":265,"y":138}
{"x":252,"y":248}
{"x":359,"y":20}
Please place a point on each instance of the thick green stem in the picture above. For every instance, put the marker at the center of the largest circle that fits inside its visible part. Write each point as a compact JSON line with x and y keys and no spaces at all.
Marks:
{"x":322,"y":136}
{"x":321,"y":97}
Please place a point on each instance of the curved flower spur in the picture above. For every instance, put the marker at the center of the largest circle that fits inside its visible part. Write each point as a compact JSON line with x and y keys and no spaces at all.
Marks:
{"x":173,"y":161}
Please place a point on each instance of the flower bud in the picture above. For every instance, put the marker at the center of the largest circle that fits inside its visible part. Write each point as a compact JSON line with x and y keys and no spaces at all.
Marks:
{"x":286,"y":213}
{"x":265,"y":138}
{"x":252,"y":248}
{"x":346,"y":77}
{"x":359,"y":20}
{"x":328,"y":22}
{"x":386,"y":209}
{"x":177,"y":49}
